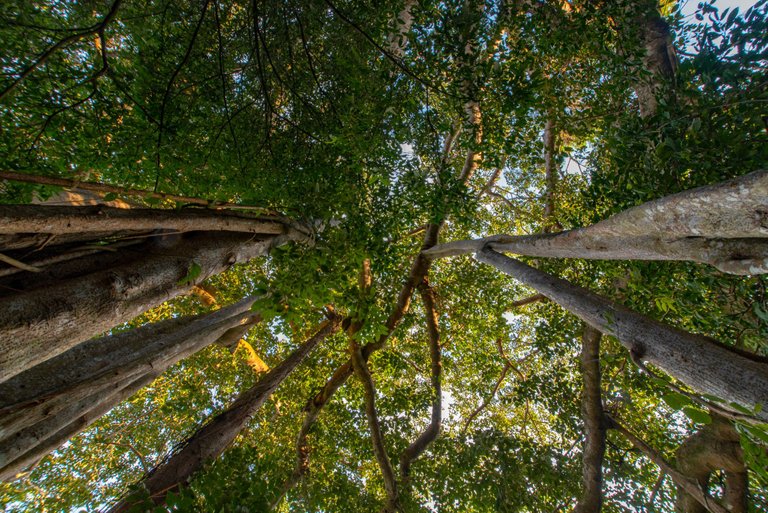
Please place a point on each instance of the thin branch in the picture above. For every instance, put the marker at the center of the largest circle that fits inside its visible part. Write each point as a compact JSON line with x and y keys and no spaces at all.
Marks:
{"x":385,"y":464}
{"x":169,"y":87}
{"x":63,"y":43}
{"x":19,"y":265}
{"x":413,"y":451}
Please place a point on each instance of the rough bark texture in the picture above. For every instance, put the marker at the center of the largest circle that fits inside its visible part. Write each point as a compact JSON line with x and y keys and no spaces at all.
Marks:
{"x":82,"y":384}
{"x":29,"y":445}
{"x":44,"y":322}
{"x":699,"y":362}
{"x":594,"y":424}
{"x":90,"y":366}
{"x":690,"y":486}
{"x":56,"y":220}
{"x":211,"y":440}
{"x":659,"y":60}
{"x":724,"y":225}
{"x":714,"y":447}
{"x":550,"y":170}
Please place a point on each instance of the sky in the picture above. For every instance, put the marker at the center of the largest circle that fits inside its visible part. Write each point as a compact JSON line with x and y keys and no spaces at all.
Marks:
{"x":689,"y":6}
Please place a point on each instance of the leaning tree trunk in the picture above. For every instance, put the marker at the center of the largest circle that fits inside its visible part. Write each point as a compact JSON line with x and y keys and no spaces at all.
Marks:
{"x":699,"y":362}
{"x":724,"y":225}
{"x":48,"y":404}
{"x":41,"y":323}
{"x":211,"y":440}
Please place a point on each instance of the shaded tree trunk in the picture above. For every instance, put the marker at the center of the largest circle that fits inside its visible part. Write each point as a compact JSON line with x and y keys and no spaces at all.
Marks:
{"x":591,"y":500}
{"x":699,"y":362}
{"x":659,"y":59}
{"x":690,"y":486}
{"x":714,"y":447}
{"x":48,"y":404}
{"x":58,"y":220}
{"x":724,"y":225}
{"x":41,"y":323}
{"x":211,"y":440}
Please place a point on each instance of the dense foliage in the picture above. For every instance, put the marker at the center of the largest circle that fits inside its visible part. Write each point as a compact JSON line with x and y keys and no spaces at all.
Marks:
{"x":320,"y":111}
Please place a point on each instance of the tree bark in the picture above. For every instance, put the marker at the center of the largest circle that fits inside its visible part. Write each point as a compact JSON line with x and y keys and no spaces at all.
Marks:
{"x":44,"y":322}
{"x":724,"y":225}
{"x":659,"y":59}
{"x":690,"y":486}
{"x":38,"y":414}
{"x":100,"y":362}
{"x":56,"y":220}
{"x":699,"y":362}
{"x":211,"y":440}
{"x":591,"y":500}
{"x":714,"y":447}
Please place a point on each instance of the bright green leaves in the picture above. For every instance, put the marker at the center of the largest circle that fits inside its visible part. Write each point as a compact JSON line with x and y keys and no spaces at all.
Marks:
{"x":192,"y":274}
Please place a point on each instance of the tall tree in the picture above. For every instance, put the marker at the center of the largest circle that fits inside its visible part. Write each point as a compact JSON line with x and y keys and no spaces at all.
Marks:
{"x":387,"y":136}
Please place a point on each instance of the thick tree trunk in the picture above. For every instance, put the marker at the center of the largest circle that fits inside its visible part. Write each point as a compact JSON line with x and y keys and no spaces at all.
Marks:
{"x":690,"y":486}
{"x":724,"y":225}
{"x":211,"y":440}
{"x":714,"y":447}
{"x":699,"y":362}
{"x":58,"y":220}
{"x":99,"y":363}
{"x":45,"y":406}
{"x":659,"y":59}
{"x":44,"y":322}
{"x":594,"y":424}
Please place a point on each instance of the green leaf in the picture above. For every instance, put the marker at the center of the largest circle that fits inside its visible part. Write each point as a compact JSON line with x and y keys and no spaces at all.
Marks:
{"x":110,"y":196}
{"x":756,"y":432}
{"x":192,"y":274}
{"x":696,"y":415}
{"x":676,"y":401}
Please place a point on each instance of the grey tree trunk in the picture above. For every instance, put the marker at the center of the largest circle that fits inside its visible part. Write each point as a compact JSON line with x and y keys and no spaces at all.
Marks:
{"x":59,"y":220}
{"x":39,"y":414}
{"x":699,"y":362}
{"x":724,"y":225}
{"x":44,"y":322}
{"x":211,"y":440}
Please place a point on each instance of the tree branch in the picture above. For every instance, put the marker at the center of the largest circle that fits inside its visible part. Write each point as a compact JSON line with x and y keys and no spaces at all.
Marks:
{"x":431,"y":432}
{"x":63,"y":43}
{"x":385,"y":464}
{"x":690,"y":487}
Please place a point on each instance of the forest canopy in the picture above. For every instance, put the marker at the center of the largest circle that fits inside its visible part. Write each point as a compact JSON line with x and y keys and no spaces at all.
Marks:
{"x":344,"y":256}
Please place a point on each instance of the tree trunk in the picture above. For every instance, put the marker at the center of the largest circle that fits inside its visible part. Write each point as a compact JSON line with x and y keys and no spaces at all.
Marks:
{"x":44,"y":322}
{"x":714,"y":447}
{"x":58,"y":220}
{"x":87,"y":381}
{"x":659,"y":59}
{"x":724,"y":225}
{"x":101,"y":362}
{"x":699,"y":362}
{"x":211,"y":440}
{"x":594,"y":424}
